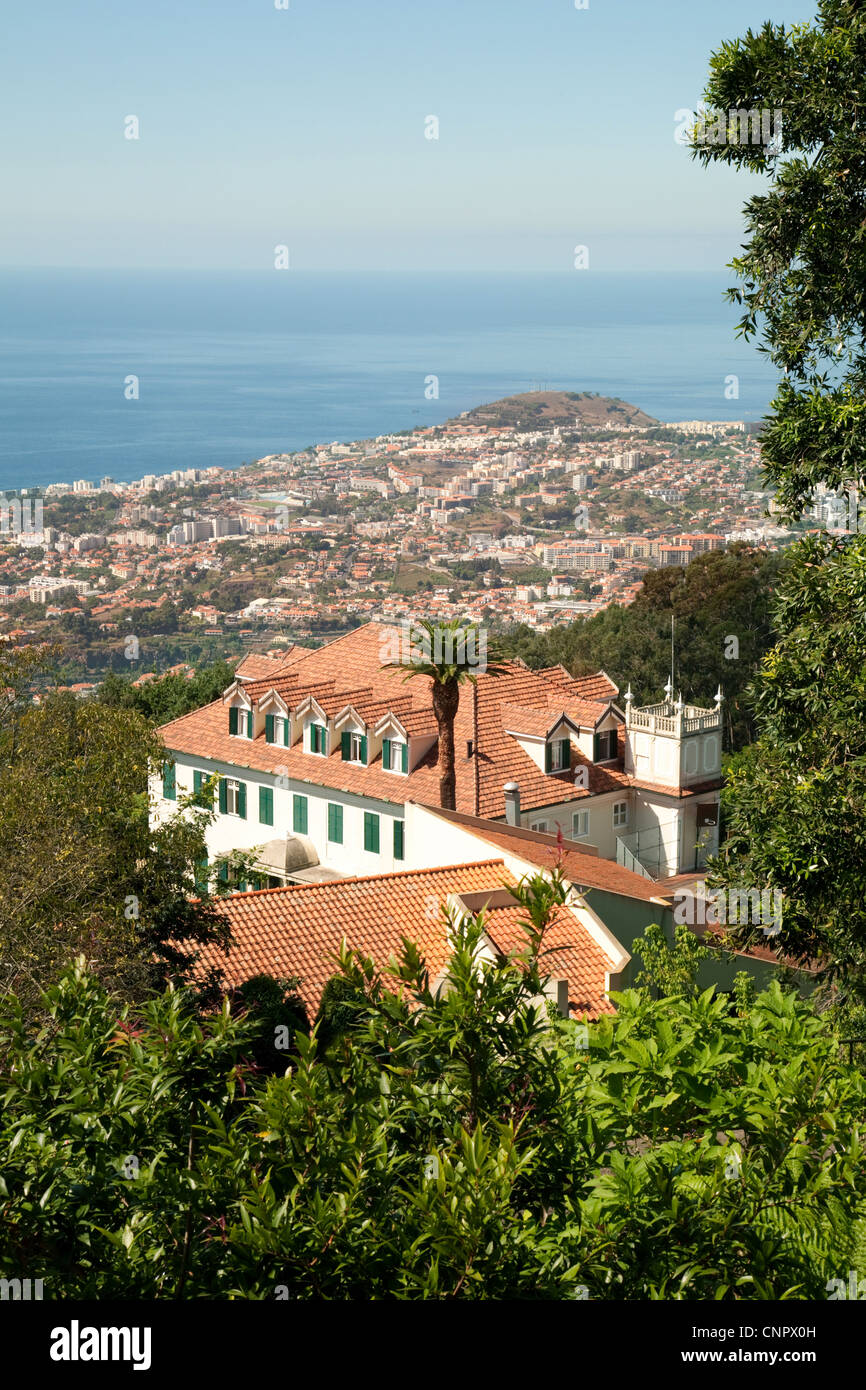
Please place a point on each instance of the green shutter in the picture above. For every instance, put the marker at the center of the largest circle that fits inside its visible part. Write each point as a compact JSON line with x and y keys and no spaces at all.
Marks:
{"x":169,"y":782}
{"x":266,"y":806}
{"x":269,"y":728}
{"x":233,"y":719}
{"x":201,"y":875}
{"x":386,"y":753}
{"x":399,"y":838}
{"x":287,"y":725}
{"x":548,"y":757}
{"x":335,"y":823}
{"x":224,"y":796}
{"x":224,"y":872}
{"x":595,"y":743}
{"x":404,"y":754}
{"x":250,"y":725}
{"x":346,"y":746}
{"x":299,"y":815}
{"x":242,"y":799}
{"x":198,"y":781}
{"x":364,"y":749}
{"x":371,"y":832}
{"x":566,"y":752}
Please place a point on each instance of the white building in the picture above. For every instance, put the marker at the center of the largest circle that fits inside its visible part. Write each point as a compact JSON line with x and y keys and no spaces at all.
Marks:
{"x":315,"y":761}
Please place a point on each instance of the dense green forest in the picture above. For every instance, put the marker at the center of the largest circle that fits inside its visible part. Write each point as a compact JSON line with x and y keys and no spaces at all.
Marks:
{"x":722,"y":607}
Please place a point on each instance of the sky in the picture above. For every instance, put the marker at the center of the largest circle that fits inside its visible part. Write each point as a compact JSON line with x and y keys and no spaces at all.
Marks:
{"x":306,"y":127}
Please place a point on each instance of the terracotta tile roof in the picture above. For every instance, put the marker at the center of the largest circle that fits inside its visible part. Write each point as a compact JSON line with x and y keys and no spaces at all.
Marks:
{"x":204,"y":734}
{"x":522,"y":719}
{"x":298,"y":930}
{"x":585,"y":713}
{"x":500,"y":757}
{"x":582,"y":864}
{"x":257,"y":666}
{"x":353,"y":663}
{"x":569,"y":953}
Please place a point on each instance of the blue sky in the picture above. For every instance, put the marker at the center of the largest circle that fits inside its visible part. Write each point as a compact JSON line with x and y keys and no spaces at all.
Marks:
{"x":305,"y":127}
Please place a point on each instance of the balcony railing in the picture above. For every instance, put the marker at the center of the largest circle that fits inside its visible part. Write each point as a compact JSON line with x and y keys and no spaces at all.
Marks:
{"x":665,"y":718}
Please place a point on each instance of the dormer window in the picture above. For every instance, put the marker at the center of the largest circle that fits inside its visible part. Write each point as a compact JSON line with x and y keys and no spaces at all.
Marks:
{"x":557,"y":755}
{"x":605,"y":747}
{"x":354,"y":748}
{"x":277,"y":729}
{"x":318,"y":739}
{"x":395,"y":755}
{"x":240,"y":722}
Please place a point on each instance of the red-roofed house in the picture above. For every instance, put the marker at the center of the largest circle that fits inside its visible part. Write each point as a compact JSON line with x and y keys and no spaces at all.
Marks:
{"x":298,"y":931}
{"x":319,"y":752}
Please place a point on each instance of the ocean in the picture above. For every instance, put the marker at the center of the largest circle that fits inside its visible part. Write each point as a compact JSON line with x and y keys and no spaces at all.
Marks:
{"x":234,"y":365}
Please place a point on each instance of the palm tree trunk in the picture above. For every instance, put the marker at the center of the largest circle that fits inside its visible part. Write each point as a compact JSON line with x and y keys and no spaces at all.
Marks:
{"x":446,"y":698}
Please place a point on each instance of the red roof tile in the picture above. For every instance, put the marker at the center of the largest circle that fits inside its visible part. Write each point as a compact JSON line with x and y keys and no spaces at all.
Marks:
{"x":298,"y":930}
{"x":582,"y":864}
{"x":352,"y":663}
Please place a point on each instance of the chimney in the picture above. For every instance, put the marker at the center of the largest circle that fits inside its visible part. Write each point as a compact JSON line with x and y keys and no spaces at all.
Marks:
{"x":512,"y":803}
{"x":562,"y":1007}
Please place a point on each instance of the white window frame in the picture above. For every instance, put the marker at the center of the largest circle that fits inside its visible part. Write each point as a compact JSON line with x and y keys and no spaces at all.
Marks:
{"x":620,"y":815}
{"x":557,"y":763}
{"x":396,"y":753}
{"x":314,"y":724}
{"x":610,"y":757}
{"x":541,"y":827}
{"x":245,"y":719}
{"x":233,"y":789}
{"x":576,"y":818}
{"x":355,"y":748}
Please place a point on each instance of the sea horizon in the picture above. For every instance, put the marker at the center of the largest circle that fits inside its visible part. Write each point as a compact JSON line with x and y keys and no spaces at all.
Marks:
{"x":234,"y":365}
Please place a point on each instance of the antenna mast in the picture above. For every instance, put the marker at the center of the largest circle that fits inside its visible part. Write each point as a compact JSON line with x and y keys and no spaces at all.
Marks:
{"x":672,"y":655}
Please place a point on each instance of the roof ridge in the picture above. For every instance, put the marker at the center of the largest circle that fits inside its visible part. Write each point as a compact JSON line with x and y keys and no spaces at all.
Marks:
{"x":326,"y":646}
{"x":368,"y":878}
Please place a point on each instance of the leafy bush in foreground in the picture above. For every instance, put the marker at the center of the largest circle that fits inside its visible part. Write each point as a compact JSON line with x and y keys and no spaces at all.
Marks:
{"x":472,"y":1147}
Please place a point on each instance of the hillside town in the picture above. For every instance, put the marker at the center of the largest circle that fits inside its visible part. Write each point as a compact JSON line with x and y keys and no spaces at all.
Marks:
{"x":535,"y":510}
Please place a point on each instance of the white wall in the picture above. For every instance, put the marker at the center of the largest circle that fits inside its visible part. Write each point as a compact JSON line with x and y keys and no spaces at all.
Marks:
{"x":230,"y":832}
{"x":601,"y":830}
{"x":659,"y":757}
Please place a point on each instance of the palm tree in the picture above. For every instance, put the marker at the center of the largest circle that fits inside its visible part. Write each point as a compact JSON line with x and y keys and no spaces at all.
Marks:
{"x":450,"y":654}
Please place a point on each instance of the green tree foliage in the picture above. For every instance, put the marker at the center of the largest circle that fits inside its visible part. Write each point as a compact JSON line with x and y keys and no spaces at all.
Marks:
{"x":80,"y":867}
{"x":277,"y":1013}
{"x":720,"y":595}
{"x":802,"y":274}
{"x":795,"y":802}
{"x":670,"y":967}
{"x":457,"y":1144}
{"x":170,"y":696}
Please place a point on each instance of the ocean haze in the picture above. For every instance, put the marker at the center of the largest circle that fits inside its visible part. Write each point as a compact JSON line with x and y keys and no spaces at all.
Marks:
{"x":234,"y":365}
